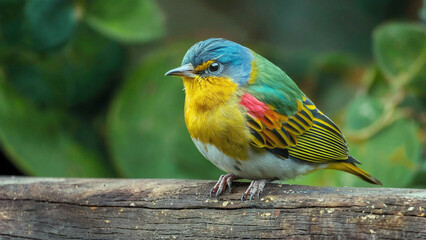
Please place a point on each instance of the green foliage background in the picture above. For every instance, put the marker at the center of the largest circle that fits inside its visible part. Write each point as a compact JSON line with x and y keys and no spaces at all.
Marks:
{"x":82,"y":92}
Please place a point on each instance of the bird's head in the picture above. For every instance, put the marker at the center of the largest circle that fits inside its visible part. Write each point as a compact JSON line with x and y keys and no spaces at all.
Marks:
{"x":216,"y":59}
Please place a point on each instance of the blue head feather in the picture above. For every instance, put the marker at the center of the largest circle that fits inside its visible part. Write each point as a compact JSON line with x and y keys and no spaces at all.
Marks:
{"x":236,"y":59}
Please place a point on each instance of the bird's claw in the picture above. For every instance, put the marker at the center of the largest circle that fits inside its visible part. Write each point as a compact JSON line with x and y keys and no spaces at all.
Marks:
{"x":224,"y":181}
{"x":255,"y":188}
{"x":229,"y":182}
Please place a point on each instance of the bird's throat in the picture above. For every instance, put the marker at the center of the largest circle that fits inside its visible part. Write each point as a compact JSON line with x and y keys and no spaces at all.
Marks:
{"x":213,"y":115}
{"x":206,"y":94}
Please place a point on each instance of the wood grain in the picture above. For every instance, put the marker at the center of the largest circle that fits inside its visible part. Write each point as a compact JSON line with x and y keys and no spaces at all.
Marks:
{"x":57,"y":208}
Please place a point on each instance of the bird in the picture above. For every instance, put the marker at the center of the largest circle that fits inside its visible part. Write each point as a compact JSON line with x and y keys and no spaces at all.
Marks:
{"x":250,"y":119}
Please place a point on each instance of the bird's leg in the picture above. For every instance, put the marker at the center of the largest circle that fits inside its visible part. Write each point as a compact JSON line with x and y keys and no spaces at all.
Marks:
{"x":224,"y":180}
{"x":255,"y":188}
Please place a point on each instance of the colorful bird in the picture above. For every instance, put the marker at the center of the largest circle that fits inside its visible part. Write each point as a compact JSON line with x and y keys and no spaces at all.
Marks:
{"x":247,"y":117}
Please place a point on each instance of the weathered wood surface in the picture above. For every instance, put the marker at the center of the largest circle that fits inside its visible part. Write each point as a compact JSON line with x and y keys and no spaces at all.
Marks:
{"x":56,"y":208}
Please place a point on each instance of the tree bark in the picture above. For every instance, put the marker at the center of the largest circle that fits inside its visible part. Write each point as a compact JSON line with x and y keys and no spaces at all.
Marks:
{"x":59,"y":208}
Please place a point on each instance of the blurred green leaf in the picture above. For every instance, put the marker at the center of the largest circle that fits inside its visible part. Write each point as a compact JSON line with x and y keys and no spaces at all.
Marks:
{"x":76,"y":75}
{"x":132,"y":21}
{"x":400,"y":50}
{"x":51,"y":22}
{"x":423,"y":11}
{"x":28,"y":79}
{"x":7,"y":1}
{"x":12,"y":30}
{"x":362,"y":112}
{"x":331,"y":73}
{"x":40,"y":144}
{"x":375,"y":83}
{"x":333,"y":63}
{"x":419,"y":179}
{"x":392,"y":155}
{"x":146,"y":130}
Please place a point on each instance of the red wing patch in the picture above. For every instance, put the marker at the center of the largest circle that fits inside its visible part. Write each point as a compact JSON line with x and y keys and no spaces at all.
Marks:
{"x":273,"y":130}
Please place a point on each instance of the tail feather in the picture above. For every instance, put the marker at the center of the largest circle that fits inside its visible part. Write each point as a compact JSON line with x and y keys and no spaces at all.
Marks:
{"x":351,"y":168}
{"x":353,"y":160}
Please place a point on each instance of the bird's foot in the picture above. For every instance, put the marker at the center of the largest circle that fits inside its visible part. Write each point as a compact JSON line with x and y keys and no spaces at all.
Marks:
{"x":255,"y":188}
{"x":220,"y":186}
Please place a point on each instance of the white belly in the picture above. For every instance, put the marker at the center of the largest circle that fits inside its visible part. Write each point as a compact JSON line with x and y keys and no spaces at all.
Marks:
{"x":263,"y":165}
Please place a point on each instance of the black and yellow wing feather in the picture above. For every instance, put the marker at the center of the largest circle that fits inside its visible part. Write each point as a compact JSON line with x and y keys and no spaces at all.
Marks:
{"x":308,"y":136}
{"x":321,"y":143}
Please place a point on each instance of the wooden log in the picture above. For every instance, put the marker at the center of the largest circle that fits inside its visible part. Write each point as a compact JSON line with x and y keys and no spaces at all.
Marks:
{"x":58,"y":208}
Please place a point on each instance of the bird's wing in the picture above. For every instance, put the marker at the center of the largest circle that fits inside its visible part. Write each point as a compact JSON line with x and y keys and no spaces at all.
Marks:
{"x":323,"y":142}
{"x":306,"y":135}
{"x":271,"y":129}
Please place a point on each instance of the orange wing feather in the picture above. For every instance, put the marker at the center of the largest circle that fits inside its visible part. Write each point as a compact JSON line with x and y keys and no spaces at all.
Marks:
{"x":274,"y":130}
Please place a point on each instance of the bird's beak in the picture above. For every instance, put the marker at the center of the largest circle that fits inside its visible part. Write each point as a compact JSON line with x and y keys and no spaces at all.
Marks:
{"x":186,"y":70}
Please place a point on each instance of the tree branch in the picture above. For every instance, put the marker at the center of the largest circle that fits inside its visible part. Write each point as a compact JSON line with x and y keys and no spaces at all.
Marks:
{"x":58,"y":208}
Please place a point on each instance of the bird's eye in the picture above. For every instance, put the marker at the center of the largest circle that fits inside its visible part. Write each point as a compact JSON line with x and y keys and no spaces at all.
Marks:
{"x":214,"y":67}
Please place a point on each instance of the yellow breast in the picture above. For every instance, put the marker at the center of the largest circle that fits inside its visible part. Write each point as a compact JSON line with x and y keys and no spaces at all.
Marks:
{"x":213,"y":115}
